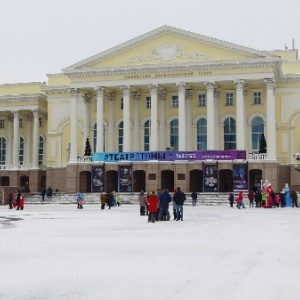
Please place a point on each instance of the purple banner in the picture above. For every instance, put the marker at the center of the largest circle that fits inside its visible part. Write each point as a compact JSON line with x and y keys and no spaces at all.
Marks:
{"x":98,"y":177}
{"x":169,"y":155}
{"x":240,"y":176}
{"x":210,"y":178}
{"x":125,"y":179}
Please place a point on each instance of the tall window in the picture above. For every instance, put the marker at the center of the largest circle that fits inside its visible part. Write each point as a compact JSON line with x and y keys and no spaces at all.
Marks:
{"x":120,"y":139}
{"x":174,"y":137}
{"x":229,"y":99}
{"x":257,"y":128}
{"x":2,"y":123}
{"x":148,"y":102}
{"x":2,"y":150}
{"x":256,"y":98}
{"x":147,"y":130}
{"x":174,"y":101}
{"x":229,"y":134}
{"x":202,"y":134}
{"x":202,"y":100}
{"x":21,"y":151}
{"x":95,"y":138}
{"x":21,"y":123}
{"x":121,"y":103}
{"x":41,"y":151}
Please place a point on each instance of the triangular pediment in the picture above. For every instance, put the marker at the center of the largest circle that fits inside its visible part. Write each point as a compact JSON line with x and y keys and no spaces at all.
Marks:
{"x":167,"y":45}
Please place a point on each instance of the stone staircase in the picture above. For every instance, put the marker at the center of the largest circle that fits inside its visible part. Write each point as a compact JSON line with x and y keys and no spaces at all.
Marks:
{"x":126,"y":198}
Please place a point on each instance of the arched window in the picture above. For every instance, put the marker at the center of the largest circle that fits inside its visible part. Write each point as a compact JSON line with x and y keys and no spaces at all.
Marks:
{"x":147,"y":130}
{"x":41,"y":151}
{"x":2,"y":150}
{"x":229,"y":134}
{"x":120,"y":138}
{"x":21,"y":151}
{"x":257,"y":128}
{"x":202,"y":134}
{"x":174,"y":134}
{"x":95,"y":138}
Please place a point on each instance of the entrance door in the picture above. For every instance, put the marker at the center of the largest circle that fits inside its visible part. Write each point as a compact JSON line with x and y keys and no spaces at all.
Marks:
{"x":167,"y":180}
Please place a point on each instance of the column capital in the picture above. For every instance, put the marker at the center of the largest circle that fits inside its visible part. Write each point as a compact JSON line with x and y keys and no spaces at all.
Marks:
{"x":36,"y":112}
{"x":270,"y":84}
{"x":181,"y":86}
{"x":16,"y":113}
{"x":74,"y":92}
{"x":153,"y":88}
{"x":239,"y":84}
{"x":100,"y":90}
{"x":210,"y":86}
{"x":126,"y":90}
{"x":162,"y":95}
{"x":87,"y":98}
{"x":111,"y":96}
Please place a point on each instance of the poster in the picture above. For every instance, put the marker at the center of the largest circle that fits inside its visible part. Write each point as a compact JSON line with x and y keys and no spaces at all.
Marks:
{"x":98,"y":177}
{"x":125,"y":179}
{"x":240,"y":176}
{"x":210,"y":178}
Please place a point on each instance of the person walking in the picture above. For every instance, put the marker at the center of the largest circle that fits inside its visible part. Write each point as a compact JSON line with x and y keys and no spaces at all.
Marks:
{"x":103,"y":200}
{"x":142,"y":202}
{"x":179,"y":198}
{"x":18,"y":199}
{"x":194,"y":196}
{"x":10,"y":200}
{"x":164,"y":200}
{"x":43,"y":193}
{"x":251,"y":198}
{"x":294,"y":198}
{"x":231,"y":199}
{"x":239,"y":200}
{"x":153,"y":201}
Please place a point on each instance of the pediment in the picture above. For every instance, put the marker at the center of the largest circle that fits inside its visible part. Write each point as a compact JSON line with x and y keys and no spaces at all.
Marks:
{"x":167,"y":45}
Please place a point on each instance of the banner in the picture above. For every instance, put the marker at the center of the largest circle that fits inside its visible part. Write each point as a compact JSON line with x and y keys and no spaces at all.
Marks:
{"x":169,"y":155}
{"x":125,"y":179}
{"x":98,"y":177}
{"x":210,"y":178}
{"x":240,"y":176}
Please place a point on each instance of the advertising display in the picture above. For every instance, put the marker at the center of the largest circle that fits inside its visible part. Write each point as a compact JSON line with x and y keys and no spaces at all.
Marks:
{"x":240,"y":176}
{"x":210,"y":178}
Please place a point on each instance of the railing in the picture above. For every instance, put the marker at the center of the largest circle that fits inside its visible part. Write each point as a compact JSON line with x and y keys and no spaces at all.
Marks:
{"x":84,"y":159}
{"x":258,"y":156}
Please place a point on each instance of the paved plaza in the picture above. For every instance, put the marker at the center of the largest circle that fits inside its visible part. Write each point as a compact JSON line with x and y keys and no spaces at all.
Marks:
{"x":217,"y":252}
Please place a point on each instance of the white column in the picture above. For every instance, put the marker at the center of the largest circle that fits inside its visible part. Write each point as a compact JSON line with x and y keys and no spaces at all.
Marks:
{"x":111,"y":126}
{"x":16,"y":143}
{"x":189,"y":98}
{"x":86,"y":128}
{"x":271,"y":120}
{"x":181,"y":116}
{"x":210,"y":87}
{"x":9,"y":144}
{"x":100,"y":126}
{"x":154,"y":127}
{"x":35,"y":139}
{"x":28,"y":151}
{"x":136,"y":121}
{"x":162,"y":120}
{"x":240,"y":116}
{"x":74,"y":117}
{"x":216,"y":108}
{"x":126,"y":119}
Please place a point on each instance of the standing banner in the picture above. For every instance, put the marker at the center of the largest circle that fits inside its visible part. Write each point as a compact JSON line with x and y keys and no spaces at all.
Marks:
{"x":210,"y":178}
{"x":240,"y":176}
{"x":125,"y":179}
{"x":98,"y":177}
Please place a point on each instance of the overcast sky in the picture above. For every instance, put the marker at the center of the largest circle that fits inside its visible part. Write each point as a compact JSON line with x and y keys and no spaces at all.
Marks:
{"x":39,"y":37}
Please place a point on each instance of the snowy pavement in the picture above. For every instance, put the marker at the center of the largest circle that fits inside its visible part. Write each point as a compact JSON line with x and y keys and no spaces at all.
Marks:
{"x":217,"y":252}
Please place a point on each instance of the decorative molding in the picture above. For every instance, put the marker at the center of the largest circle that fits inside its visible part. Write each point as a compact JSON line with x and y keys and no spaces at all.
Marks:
{"x":136,"y":96}
{"x":162,"y":95}
{"x":126,"y":90}
{"x":189,"y":94}
{"x":23,"y":98}
{"x":87,"y":98}
{"x":111,"y":96}
{"x":56,"y":90}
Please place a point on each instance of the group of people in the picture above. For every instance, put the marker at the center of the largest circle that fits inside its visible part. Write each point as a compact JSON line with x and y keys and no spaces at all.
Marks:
{"x":110,"y":199}
{"x":266,"y":198}
{"x":156,"y":205}
{"x":47,"y":193}
{"x":17,"y":202}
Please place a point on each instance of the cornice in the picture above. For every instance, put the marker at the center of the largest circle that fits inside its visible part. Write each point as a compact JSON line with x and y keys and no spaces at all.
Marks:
{"x":50,"y":90}
{"x":23,"y":98}
{"x":168,"y":68}
{"x":289,"y":79}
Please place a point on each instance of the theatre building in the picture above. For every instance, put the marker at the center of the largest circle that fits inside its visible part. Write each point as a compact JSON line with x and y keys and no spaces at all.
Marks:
{"x":168,"y":108}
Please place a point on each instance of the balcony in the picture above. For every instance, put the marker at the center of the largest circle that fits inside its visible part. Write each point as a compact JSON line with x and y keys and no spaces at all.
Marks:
{"x":84,"y":159}
{"x":258,"y":156}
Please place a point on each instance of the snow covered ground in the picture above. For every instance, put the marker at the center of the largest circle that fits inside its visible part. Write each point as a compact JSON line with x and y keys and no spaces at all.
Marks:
{"x":217,"y":252}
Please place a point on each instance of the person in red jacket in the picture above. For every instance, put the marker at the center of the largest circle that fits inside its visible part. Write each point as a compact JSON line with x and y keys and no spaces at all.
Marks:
{"x":153,"y":201}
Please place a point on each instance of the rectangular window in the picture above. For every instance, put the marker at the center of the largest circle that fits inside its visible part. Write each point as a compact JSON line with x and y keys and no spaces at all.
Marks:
{"x":121,"y":103}
{"x":229,"y":99}
{"x":21,"y":123}
{"x":256,"y":98}
{"x":174,"y":103}
{"x":40,"y":122}
{"x":148,"y":102}
{"x":2,"y":123}
{"x":202,"y":100}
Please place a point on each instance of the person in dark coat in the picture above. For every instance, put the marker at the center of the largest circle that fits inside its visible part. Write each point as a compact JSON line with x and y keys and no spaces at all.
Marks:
{"x":294,"y":198}
{"x":179,"y":198}
{"x":10,"y":200}
{"x":164,"y":200}
{"x":258,"y":198}
{"x":18,"y":199}
{"x":194,"y":198}
{"x":231,"y":199}
{"x":43,"y":193}
{"x":109,"y":199}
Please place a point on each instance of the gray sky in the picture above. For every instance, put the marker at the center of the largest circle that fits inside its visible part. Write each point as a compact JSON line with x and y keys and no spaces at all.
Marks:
{"x":39,"y":37}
